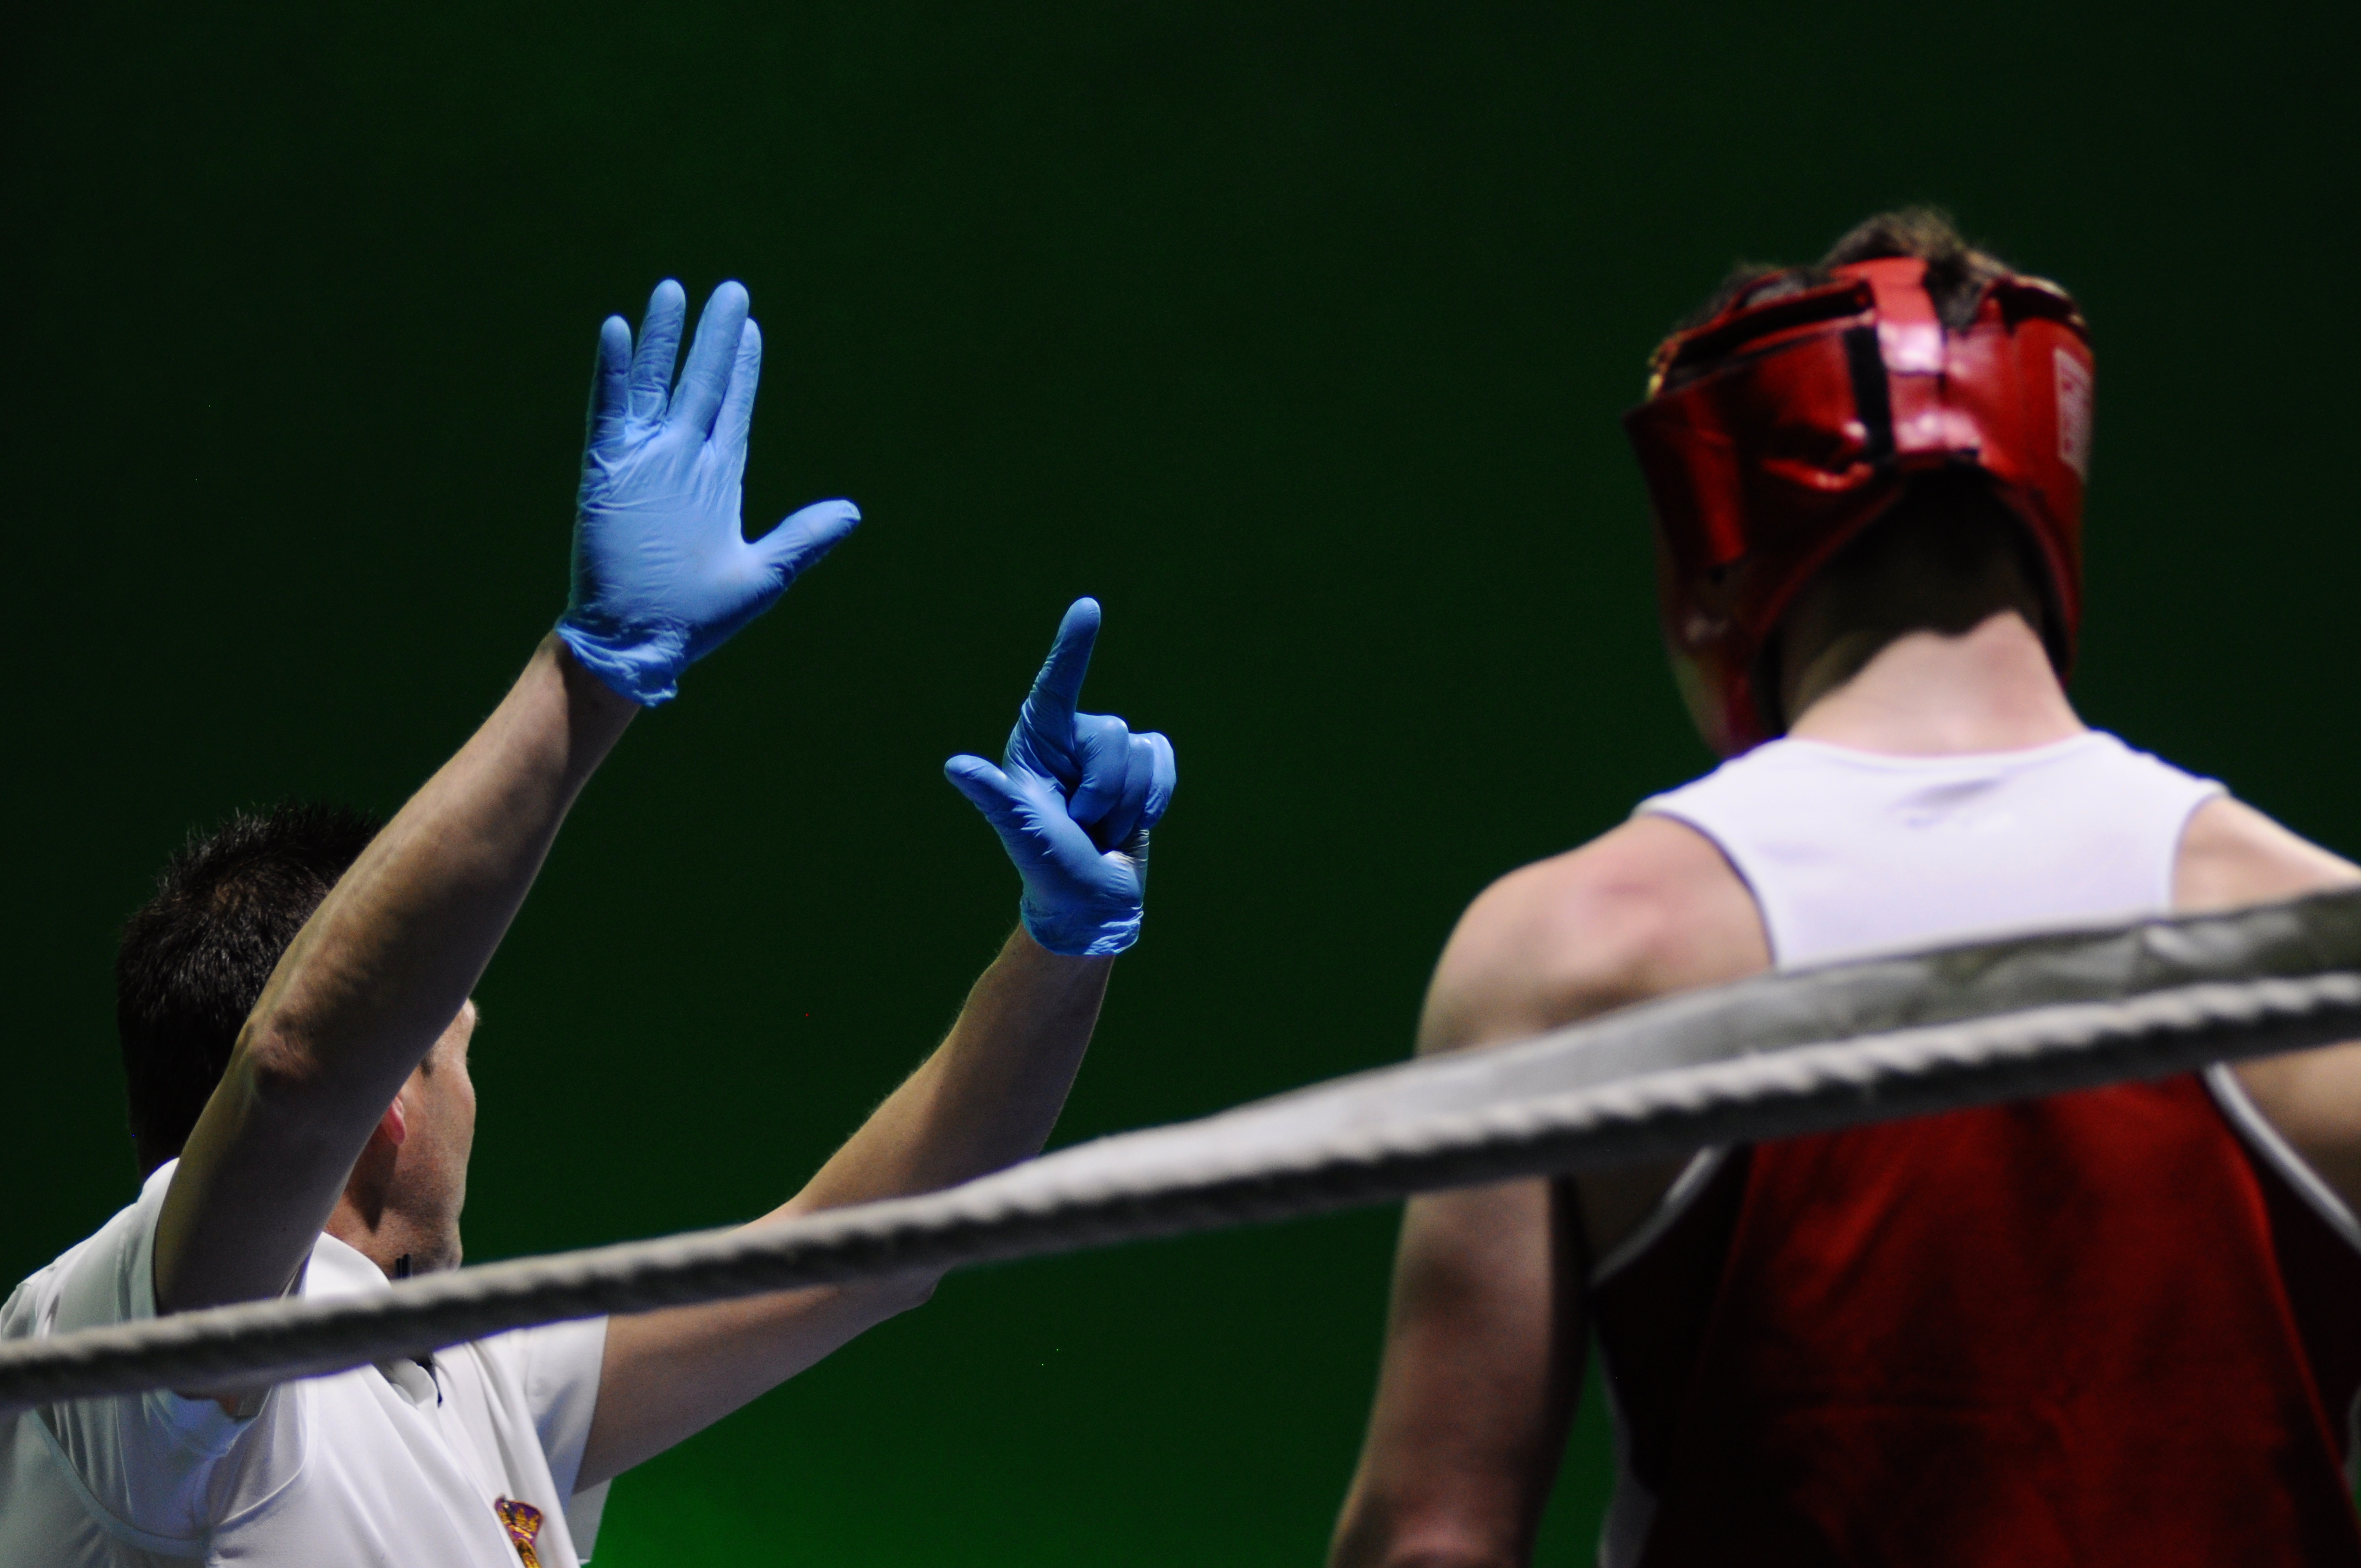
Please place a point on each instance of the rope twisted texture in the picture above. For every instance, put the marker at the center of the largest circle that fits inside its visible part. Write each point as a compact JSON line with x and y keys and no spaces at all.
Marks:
{"x":1768,"y":1058}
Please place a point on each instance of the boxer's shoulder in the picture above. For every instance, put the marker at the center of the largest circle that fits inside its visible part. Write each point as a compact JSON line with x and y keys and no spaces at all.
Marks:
{"x":1649,"y":908}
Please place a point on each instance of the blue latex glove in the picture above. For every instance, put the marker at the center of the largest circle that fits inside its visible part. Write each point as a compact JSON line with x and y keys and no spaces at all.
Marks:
{"x":1074,"y":799}
{"x":663,"y":574}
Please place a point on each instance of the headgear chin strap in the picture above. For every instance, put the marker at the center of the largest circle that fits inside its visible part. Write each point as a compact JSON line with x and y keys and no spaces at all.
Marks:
{"x":1776,"y":432}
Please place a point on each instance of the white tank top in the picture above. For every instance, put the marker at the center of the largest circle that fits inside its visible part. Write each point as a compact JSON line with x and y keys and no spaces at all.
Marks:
{"x":1851,"y":852}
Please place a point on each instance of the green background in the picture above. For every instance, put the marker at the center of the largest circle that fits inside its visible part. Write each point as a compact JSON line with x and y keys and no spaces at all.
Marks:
{"x":1296,"y":333}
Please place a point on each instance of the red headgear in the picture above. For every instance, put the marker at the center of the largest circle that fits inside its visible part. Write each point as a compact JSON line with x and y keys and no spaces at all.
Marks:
{"x":1777,"y":431}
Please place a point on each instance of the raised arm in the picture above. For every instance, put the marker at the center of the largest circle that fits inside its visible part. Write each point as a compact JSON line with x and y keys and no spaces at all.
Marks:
{"x":371,"y":982}
{"x":661,"y":574}
{"x":1074,"y":799}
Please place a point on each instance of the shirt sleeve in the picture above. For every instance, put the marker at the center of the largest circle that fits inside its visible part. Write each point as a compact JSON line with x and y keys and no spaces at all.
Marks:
{"x":152,"y":1465}
{"x":559,"y":1365}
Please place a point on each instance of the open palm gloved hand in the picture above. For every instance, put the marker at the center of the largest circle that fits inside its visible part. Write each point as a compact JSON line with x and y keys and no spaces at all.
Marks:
{"x":1073,"y":800}
{"x":663,"y":572}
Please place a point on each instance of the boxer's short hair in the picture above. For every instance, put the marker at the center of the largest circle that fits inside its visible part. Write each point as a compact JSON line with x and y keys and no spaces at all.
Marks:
{"x":1956,"y":270}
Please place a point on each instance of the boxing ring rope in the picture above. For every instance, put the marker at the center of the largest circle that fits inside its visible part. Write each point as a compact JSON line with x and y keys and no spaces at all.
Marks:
{"x":1767,"y":1057}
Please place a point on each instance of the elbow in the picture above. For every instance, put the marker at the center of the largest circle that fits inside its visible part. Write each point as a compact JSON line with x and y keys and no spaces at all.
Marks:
{"x":1378,"y":1531}
{"x":272,"y":1069}
{"x":894,"y":1294}
{"x":273,"y":1075}
{"x":1416,"y":1554}
{"x":1366,"y":1550}
{"x":276,"y":1084}
{"x":909,"y":1292}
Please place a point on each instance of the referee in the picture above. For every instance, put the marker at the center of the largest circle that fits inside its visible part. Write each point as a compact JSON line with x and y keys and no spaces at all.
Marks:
{"x":331,"y":1156}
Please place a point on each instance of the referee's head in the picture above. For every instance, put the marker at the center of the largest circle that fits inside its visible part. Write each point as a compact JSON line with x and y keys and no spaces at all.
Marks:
{"x":193,"y":962}
{"x":195,"y":958}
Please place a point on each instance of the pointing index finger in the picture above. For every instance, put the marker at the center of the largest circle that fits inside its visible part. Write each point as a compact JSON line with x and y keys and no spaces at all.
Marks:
{"x":1060,"y":685}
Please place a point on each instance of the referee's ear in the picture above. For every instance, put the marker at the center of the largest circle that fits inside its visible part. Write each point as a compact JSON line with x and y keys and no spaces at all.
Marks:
{"x":393,"y":1126}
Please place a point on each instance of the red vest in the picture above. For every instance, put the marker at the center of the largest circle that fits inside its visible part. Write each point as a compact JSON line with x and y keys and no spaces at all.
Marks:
{"x":2086,"y":1330}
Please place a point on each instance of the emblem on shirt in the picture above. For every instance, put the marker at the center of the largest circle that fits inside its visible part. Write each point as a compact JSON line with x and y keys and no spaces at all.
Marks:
{"x":523,"y":1522}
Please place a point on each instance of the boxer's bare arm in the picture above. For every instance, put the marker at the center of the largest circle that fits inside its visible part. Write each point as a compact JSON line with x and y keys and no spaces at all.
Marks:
{"x":1485,"y":1341}
{"x":2232,"y":854}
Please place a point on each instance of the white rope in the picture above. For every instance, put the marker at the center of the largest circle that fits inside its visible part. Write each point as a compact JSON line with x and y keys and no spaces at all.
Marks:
{"x":1764,"y":1058}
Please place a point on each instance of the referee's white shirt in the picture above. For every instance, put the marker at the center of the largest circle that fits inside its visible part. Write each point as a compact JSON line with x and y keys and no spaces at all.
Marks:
{"x":468,"y":1464}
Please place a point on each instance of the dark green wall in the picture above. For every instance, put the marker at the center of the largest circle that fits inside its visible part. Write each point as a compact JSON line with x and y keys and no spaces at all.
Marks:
{"x":1296,"y":333}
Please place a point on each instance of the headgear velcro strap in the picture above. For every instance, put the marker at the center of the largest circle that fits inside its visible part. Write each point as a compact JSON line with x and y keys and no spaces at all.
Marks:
{"x":1774,"y":432}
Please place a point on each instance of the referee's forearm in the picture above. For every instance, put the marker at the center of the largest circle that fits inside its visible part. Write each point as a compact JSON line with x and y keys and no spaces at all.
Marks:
{"x":988,"y":1096}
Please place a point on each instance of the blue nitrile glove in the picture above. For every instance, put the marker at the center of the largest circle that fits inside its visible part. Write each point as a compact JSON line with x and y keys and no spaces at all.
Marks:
{"x":663,"y":574}
{"x":1074,"y":799}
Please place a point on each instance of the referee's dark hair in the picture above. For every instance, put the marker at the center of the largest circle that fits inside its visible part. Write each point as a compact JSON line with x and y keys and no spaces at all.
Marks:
{"x":194,"y":958}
